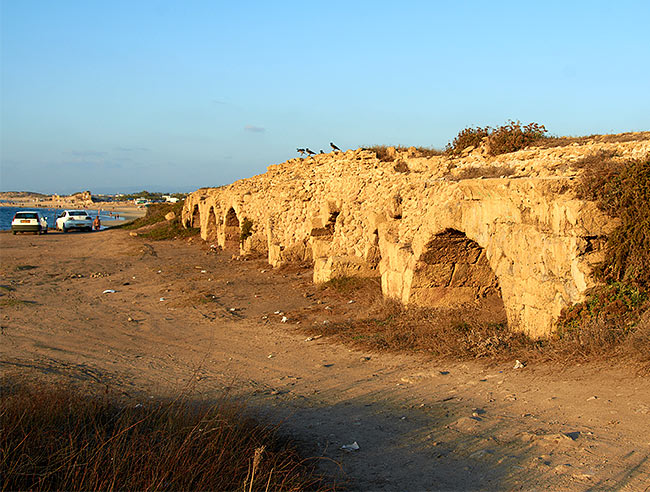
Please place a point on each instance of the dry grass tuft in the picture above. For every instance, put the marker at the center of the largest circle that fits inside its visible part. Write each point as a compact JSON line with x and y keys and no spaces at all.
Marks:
{"x":478,"y":332}
{"x":54,"y":438}
{"x":385,"y":155}
{"x":483,"y":172}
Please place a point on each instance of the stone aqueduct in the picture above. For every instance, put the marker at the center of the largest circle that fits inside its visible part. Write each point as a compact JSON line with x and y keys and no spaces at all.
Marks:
{"x":434,"y":239}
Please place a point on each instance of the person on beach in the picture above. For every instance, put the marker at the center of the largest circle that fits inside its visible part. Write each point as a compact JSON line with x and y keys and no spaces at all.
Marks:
{"x":97,"y":223}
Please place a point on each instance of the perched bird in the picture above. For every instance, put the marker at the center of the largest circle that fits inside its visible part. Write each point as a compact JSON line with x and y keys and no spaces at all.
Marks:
{"x":321,"y":151}
{"x":310,"y":152}
{"x":334,"y":147}
{"x":301,"y":151}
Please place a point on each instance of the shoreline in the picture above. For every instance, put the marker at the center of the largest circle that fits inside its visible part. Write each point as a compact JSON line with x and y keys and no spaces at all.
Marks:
{"x":126,"y":211}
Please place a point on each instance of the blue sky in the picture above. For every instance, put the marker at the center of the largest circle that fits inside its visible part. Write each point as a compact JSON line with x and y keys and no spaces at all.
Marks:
{"x":173,"y":95}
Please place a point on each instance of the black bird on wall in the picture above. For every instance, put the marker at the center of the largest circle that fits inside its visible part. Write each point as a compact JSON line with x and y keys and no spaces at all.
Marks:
{"x":334,"y":147}
{"x":310,"y":152}
{"x":301,"y":151}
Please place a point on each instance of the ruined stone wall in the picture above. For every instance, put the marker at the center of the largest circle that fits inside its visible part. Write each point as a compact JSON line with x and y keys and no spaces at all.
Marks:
{"x":434,"y":239}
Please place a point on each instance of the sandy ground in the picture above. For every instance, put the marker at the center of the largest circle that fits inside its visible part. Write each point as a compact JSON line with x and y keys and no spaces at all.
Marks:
{"x":183,"y":317}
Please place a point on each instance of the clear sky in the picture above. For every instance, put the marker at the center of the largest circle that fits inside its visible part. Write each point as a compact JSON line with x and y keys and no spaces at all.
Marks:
{"x":165,"y":95}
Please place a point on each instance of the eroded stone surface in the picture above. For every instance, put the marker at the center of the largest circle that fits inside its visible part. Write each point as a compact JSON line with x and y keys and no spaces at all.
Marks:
{"x":432,"y":239}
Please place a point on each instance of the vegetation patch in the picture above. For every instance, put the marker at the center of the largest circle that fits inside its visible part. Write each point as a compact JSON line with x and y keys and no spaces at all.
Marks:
{"x":388,"y":153}
{"x":156,"y":227}
{"x":55,"y":438}
{"x":503,"y":139}
{"x":614,"y":324}
{"x":615,"y":315}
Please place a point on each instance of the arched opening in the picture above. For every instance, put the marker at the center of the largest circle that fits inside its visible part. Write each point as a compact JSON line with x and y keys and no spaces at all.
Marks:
{"x":453,"y":272}
{"x":211,"y":226}
{"x":196,"y":217}
{"x":232,"y":232}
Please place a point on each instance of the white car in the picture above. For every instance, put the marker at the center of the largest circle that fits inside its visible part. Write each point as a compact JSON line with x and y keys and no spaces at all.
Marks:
{"x":74,"y":219}
{"x":29,"y":221}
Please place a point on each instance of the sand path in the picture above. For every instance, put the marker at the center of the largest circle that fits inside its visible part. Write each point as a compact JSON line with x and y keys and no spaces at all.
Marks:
{"x":419,"y":424}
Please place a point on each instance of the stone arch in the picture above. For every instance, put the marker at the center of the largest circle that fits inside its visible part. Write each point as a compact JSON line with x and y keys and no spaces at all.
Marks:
{"x":196,"y":217}
{"x":211,"y":226}
{"x":453,"y":271}
{"x":232,"y":231}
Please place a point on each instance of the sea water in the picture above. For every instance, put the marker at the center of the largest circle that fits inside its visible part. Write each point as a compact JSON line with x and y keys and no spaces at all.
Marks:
{"x":7,"y":215}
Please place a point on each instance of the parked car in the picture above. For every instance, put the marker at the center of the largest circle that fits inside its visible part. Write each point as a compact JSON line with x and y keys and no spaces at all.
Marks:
{"x":29,"y":221}
{"x":74,"y":219}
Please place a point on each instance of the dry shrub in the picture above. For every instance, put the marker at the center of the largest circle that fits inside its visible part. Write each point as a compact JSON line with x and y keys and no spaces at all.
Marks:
{"x":512,"y":137}
{"x":614,"y":317}
{"x":622,"y":189}
{"x":468,"y":137}
{"x":500,"y":140}
{"x":401,"y":167}
{"x":54,"y":438}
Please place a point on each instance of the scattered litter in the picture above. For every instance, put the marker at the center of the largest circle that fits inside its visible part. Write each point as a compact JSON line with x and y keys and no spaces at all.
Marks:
{"x":351,"y":301}
{"x":278,"y":312}
{"x":519,"y":364}
{"x":365,"y":358}
{"x":402,"y":418}
{"x":109,"y":291}
{"x":130,"y":319}
{"x":204,"y":271}
{"x":265,"y":317}
{"x":315,"y":337}
{"x":257,"y":295}
{"x":159,"y":271}
{"x":326,"y":322}
{"x":592,"y":398}
{"x":138,"y":405}
{"x":232,"y":310}
{"x":443,"y":373}
{"x":161,"y":299}
{"x":198,"y":267}
{"x":133,"y":277}
{"x":350,"y":447}
{"x":262,"y":271}
{"x":328,"y":308}
{"x":270,"y":356}
{"x":284,"y":319}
